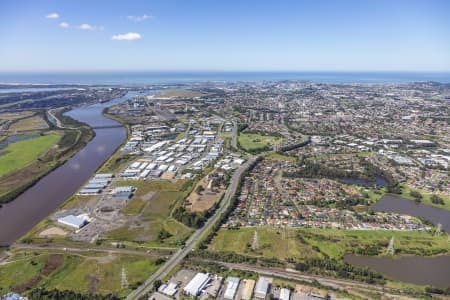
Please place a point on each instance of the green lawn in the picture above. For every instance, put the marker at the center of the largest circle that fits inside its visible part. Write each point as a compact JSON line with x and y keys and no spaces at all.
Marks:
{"x":253,"y":141}
{"x":302,"y":243}
{"x":21,"y":153}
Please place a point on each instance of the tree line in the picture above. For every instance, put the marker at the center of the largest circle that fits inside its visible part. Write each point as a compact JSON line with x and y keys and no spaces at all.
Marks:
{"x":43,"y":294}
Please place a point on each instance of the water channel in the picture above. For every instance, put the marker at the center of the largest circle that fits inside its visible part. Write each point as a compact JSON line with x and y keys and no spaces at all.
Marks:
{"x":433,"y":271}
{"x":28,"y":209}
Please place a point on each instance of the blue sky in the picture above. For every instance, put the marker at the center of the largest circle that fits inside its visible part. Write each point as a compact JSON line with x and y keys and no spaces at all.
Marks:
{"x":314,"y":35}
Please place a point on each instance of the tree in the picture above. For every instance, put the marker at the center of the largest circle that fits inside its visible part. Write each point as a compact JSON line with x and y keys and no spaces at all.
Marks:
{"x":416,"y":195}
{"x":157,"y":284}
{"x":437,"y":200}
{"x":163,"y":234}
{"x":199,"y":189}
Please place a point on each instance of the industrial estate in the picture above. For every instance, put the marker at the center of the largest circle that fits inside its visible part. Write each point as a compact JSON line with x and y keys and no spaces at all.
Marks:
{"x":241,"y":190}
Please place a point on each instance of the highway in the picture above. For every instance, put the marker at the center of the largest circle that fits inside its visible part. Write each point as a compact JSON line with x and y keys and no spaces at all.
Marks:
{"x":196,"y":237}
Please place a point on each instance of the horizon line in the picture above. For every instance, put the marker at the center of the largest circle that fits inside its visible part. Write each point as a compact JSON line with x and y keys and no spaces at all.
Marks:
{"x":219,"y":71}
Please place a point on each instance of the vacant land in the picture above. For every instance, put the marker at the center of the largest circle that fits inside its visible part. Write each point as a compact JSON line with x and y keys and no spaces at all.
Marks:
{"x":255,"y":141}
{"x":32,"y":123}
{"x":149,"y":214}
{"x":21,"y":153}
{"x":116,"y":163}
{"x":4,"y":117}
{"x":303,"y":243}
{"x":204,"y":200}
{"x":279,"y":243}
{"x":85,"y":273}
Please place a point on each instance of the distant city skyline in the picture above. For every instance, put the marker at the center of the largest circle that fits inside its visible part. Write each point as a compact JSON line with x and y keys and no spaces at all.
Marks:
{"x":202,"y":35}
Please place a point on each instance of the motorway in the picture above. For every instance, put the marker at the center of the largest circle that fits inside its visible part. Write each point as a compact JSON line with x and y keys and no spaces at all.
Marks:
{"x":197,"y":236}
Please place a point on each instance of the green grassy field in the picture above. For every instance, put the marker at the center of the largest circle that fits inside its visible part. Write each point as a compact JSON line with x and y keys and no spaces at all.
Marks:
{"x":22,"y":153}
{"x":302,"y":243}
{"x":84,"y":273}
{"x":252,"y":141}
{"x":277,"y":156}
{"x":273,"y":242}
{"x":19,"y":272}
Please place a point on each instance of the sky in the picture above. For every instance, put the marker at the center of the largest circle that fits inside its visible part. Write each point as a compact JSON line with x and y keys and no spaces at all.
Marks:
{"x":229,"y":35}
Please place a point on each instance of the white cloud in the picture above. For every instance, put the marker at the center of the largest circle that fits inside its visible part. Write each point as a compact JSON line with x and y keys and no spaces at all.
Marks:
{"x":52,"y":16}
{"x":90,"y":27}
{"x":64,"y":25}
{"x":139,"y":18}
{"x":130,"y":36}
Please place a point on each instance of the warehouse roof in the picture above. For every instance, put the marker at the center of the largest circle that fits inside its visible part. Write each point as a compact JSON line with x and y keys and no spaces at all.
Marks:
{"x":197,"y":284}
{"x":232,"y":285}
{"x":73,"y":221}
{"x":262,"y":286}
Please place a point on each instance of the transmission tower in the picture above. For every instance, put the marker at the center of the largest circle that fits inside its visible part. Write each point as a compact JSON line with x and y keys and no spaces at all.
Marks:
{"x":255,"y":244}
{"x":124,"y":282}
{"x":390,"y":249}
{"x":438,"y":230}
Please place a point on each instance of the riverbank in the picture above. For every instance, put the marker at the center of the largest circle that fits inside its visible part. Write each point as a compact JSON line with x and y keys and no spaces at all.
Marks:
{"x":72,"y":140}
{"x":35,"y":203}
{"x":397,"y":204}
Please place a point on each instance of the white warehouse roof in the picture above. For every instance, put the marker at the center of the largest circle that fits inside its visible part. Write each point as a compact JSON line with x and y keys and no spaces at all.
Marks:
{"x":73,"y":221}
{"x":123,"y":189}
{"x":285,"y":294}
{"x":262,"y":287}
{"x":232,"y":285}
{"x":197,"y":284}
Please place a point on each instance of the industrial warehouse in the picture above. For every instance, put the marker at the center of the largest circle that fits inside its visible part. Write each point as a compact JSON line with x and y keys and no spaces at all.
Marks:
{"x":166,"y":158}
{"x":187,"y":283}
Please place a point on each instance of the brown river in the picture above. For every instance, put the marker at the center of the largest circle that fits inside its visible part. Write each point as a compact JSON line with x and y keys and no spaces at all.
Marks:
{"x":28,"y":209}
{"x":433,"y":271}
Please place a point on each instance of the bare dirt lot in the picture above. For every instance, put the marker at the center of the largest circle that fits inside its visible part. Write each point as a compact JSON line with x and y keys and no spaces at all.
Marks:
{"x":53,"y":231}
{"x":206,"y":199}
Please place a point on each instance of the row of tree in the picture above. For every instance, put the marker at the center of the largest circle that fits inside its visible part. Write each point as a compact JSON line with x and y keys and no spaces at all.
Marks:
{"x":43,"y":294}
{"x":340,"y":269}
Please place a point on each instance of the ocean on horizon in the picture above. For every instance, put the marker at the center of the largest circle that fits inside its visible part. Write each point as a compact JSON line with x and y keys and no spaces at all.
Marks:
{"x":142,"y":78}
